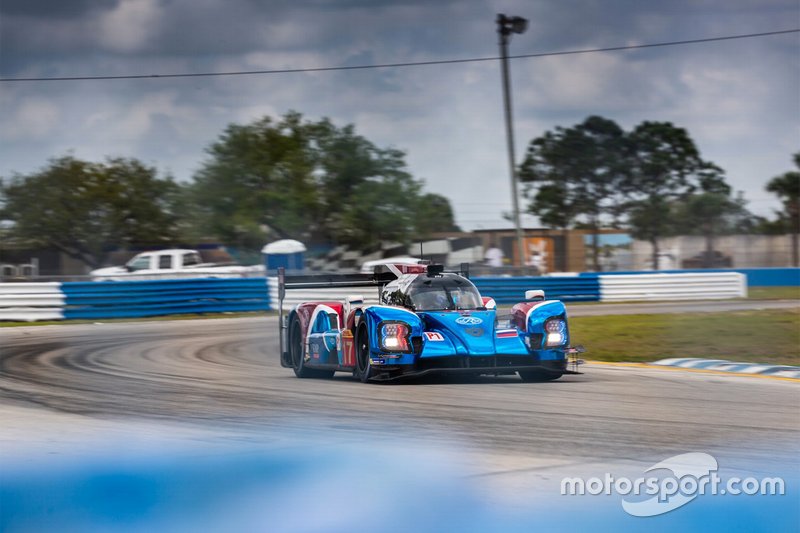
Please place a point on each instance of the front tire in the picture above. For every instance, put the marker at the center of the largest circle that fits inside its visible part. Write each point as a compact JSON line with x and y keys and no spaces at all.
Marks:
{"x":363,"y":366}
{"x":297,"y":354}
{"x":538,"y":376}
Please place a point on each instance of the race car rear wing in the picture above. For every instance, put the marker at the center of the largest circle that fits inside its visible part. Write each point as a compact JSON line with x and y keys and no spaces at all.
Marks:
{"x":322,"y":281}
{"x":383,"y":274}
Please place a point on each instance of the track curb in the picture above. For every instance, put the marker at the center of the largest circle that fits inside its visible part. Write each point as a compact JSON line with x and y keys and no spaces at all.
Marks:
{"x":785,"y":375}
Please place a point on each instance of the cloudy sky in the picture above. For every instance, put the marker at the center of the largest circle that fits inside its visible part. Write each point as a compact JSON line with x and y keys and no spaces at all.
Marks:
{"x":739,"y":99}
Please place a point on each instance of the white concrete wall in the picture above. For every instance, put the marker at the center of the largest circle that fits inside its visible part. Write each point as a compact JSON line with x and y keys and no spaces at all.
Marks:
{"x":746,"y":251}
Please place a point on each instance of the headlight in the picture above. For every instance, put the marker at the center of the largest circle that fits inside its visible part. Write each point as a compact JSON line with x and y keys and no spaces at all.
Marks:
{"x":556,"y":330}
{"x":394,"y":336}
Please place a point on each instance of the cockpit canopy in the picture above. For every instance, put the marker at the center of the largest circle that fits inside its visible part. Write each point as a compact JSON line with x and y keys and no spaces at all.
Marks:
{"x":433,"y":293}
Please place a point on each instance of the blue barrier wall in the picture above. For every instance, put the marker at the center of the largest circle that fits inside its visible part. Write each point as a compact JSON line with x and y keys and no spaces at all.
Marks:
{"x":771,"y":277}
{"x":584,"y":288}
{"x":756,"y":277}
{"x":132,"y":299}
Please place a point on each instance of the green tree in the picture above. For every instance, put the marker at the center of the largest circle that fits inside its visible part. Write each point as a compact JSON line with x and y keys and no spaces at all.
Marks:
{"x":259,"y":177}
{"x":787,"y":188}
{"x":576,"y":174}
{"x":83,"y":208}
{"x":432,"y":213}
{"x":711,"y":210}
{"x":306,"y":180}
{"x":666,"y":168}
{"x":377,"y":212}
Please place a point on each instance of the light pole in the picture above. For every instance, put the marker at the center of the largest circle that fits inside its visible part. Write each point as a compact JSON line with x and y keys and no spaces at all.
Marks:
{"x":505,"y":27}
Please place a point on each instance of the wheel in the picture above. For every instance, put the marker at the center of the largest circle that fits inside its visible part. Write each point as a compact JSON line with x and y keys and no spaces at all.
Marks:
{"x":363,"y":366}
{"x":297,"y":357}
{"x":538,"y":376}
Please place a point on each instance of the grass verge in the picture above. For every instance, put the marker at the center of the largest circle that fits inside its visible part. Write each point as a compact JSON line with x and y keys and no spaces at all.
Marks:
{"x":773,"y":293}
{"x":762,"y":336}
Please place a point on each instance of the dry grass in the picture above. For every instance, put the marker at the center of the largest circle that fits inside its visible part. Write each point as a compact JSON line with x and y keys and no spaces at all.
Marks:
{"x":764,"y":336}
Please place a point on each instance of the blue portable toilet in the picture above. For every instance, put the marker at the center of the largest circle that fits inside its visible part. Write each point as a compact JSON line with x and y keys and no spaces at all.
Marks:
{"x":286,"y":253}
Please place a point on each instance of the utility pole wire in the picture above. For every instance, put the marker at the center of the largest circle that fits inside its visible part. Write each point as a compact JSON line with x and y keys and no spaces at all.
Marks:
{"x":398,"y":65}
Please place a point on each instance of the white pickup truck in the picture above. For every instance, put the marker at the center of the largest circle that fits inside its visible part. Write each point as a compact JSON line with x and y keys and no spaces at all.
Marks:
{"x":173,"y":263}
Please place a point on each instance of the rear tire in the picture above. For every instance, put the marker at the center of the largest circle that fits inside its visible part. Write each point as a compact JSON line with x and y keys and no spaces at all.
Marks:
{"x":297,"y":355}
{"x":538,"y":376}
{"x":363,"y":366}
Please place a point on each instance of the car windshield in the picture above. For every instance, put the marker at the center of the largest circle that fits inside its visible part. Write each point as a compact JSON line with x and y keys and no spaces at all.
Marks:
{"x":444,"y":297}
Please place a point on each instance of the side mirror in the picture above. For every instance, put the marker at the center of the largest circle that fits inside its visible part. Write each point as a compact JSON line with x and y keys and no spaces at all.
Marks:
{"x":534,"y":294}
{"x":350,"y":302}
{"x":359,"y":299}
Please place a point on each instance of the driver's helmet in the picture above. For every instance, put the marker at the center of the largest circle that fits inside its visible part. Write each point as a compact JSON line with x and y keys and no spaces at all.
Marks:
{"x":432,"y":300}
{"x":465,"y":300}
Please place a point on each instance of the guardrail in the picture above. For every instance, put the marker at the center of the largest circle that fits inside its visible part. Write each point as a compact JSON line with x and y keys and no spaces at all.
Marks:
{"x":31,"y":301}
{"x":577,"y":288}
{"x":756,"y":277}
{"x":644,"y":287}
{"x":568,"y":288}
{"x":133,"y":299}
{"x":503,"y":290}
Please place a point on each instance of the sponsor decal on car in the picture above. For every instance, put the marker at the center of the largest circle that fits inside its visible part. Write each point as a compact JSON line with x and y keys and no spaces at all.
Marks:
{"x":468,"y":320}
{"x":331,"y":344}
{"x":507,"y":333}
{"x":434,"y":336}
{"x":475,"y":332}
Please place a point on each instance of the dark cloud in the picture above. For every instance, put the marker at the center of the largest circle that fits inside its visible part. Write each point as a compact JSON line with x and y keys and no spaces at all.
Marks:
{"x":729,"y":95}
{"x":197,"y":29}
{"x":54,"y":9}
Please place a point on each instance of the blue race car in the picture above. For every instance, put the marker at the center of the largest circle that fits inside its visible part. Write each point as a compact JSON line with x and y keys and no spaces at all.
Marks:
{"x":427,"y":321}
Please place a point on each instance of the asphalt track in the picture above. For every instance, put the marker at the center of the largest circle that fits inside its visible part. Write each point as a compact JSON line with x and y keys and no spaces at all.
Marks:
{"x":220,"y":380}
